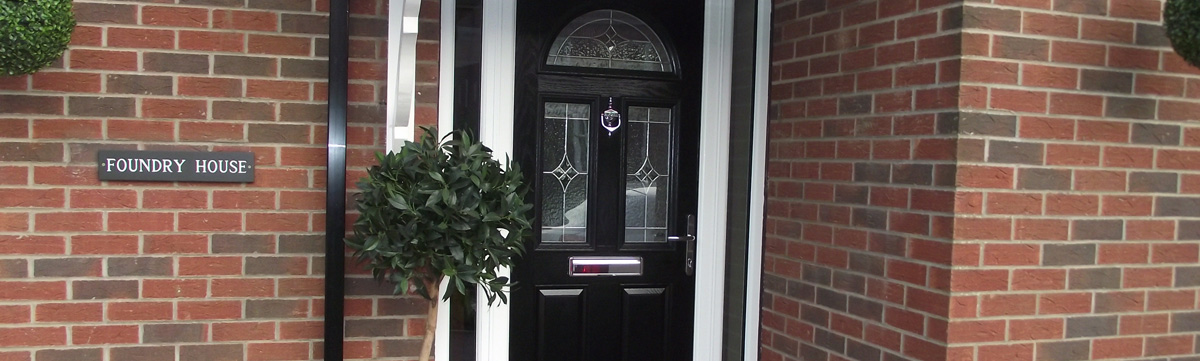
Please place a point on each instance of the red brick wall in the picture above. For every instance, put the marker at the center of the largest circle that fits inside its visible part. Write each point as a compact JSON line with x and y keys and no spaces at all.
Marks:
{"x":95,"y":270}
{"x":1077,"y":233}
{"x":1065,"y":156}
{"x":860,"y":180}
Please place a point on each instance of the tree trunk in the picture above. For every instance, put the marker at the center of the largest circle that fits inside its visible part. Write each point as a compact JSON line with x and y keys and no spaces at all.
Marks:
{"x":431,"y":319}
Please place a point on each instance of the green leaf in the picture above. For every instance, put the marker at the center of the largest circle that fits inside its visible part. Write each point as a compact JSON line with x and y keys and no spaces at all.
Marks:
{"x":431,"y":210}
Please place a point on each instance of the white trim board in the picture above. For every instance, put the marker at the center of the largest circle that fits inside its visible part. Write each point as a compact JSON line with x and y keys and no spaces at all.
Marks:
{"x":712,"y":211}
{"x":758,"y":182}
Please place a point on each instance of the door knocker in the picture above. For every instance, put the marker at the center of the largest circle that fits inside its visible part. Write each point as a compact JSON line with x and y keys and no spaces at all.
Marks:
{"x":611,"y":118}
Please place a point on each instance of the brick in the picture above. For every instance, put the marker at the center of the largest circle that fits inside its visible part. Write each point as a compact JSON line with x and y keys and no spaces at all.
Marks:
{"x":1177,"y":207}
{"x":1110,"y":302}
{"x":1044,"y":179}
{"x":271,"y":309}
{"x":1151,"y":35}
{"x":119,"y":129}
{"x":258,"y":288}
{"x":30,"y":104}
{"x":1156,"y":134}
{"x":280,"y":45}
{"x":212,"y":41}
{"x":67,"y":128}
{"x":243,"y":331}
{"x":203,"y":266}
{"x":1095,"y":278}
{"x":1110,"y":230}
{"x":105,"y":334}
{"x":1093,"y":326}
{"x":143,"y":353}
{"x":246,"y":20}
{"x":103,"y":60}
{"x":211,"y":87}
{"x":1015,"y":152}
{"x":175,"y":63}
{"x":282,"y":90}
{"x":90,"y":290}
{"x":67,"y":81}
{"x":1169,"y":345}
{"x":1159,"y":182}
{"x":70,"y":355}
{"x":991,"y":19}
{"x":70,"y":312}
{"x":1019,"y":48}
{"x":140,"y":266}
{"x":141,"y":38}
{"x":27,"y":245}
{"x":212,"y":131}
{"x":102,"y":107}
{"x":276,"y":266}
{"x":67,"y":267}
{"x":104,"y":244}
{"x":1064,"y":350}
{"x":174,"y":108}
{"x":68,"y":222}
{"x":304,"y":24}
{"x":1068,"y":254}
{"x":1079,"y":53}
{"x":175,"y":16}
{"x":209,"y":310}
{"x":1119,"y":348}
{"x":282,"y":350}
{"x":1111,"y":31}
{"x":244,"y":65}
{"x":238,"y":110}
{"x":173,"y":333}
{"x":1072,"y":204}
{"x":1106,"y":81}
{"x":105,"y":13}
{"x":306,"y":68}
{"x":211,"y":352}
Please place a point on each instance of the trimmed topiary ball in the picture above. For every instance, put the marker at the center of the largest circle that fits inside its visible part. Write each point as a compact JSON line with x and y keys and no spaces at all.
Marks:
{"x":33,"y":33}
{"x":1182,"y":20}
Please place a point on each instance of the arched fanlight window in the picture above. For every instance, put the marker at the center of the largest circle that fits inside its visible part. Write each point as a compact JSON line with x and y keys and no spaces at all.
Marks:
{"x":610,"y":39}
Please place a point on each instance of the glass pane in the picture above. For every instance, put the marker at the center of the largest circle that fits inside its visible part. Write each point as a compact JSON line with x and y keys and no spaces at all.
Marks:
{"x":610,"y":39}
{"x":565,"y":135}
{"x":647,"y":179}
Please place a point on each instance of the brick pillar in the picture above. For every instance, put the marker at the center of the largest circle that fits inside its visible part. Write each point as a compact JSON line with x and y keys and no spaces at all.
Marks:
{"x":1060,"y":213}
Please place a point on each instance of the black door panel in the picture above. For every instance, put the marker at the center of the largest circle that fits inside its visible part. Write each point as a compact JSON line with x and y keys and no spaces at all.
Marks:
{"x":601,"y":192}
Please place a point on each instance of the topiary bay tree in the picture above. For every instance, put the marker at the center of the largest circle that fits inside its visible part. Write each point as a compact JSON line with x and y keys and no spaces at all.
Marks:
{"x":441,"y":210}
{"x":33,"y":33}
{"x":1182,"y":20}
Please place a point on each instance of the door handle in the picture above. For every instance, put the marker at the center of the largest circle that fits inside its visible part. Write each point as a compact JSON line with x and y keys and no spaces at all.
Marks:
{"x":689,"y":260}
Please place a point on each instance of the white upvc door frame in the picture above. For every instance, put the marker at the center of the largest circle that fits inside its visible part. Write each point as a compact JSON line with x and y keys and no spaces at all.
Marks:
{"x":496,"y":125}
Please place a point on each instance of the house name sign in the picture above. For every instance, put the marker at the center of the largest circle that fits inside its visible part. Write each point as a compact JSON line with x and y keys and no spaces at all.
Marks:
{"x":175,"y":166}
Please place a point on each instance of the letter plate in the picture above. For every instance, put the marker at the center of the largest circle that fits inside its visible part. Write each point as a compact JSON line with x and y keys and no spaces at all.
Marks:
{"x":606,"y":266}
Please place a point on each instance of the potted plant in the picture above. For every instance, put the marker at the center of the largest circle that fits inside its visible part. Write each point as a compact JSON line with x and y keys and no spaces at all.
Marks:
{"x":33,"y":33}
{"x":441,"y":210}
{"x":1182,"y":20}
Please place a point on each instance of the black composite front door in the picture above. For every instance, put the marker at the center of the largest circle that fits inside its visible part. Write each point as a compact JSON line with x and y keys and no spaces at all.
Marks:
{"x":607,"y":128}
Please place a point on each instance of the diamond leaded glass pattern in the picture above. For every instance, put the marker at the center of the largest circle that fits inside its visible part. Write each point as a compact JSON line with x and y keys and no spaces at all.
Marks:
{"x":610,"y":39}
{"x":647,"y":174}
{"x":565,"y":136}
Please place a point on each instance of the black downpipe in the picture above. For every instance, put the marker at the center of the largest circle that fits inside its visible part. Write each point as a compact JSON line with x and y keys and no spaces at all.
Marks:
{"x":335,"y":184}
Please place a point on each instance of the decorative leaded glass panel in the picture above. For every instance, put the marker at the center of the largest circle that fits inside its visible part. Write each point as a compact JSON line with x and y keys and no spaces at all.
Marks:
{"x":610,"y":39}
{"x":647,"y":174}
{"x":565,"y":136}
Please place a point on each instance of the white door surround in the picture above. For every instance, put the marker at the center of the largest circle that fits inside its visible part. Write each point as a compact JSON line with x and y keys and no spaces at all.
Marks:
{"x":496,"y":129}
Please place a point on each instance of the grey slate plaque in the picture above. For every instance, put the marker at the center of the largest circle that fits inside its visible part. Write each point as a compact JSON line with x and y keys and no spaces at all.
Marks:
{"x":175,"y":166}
